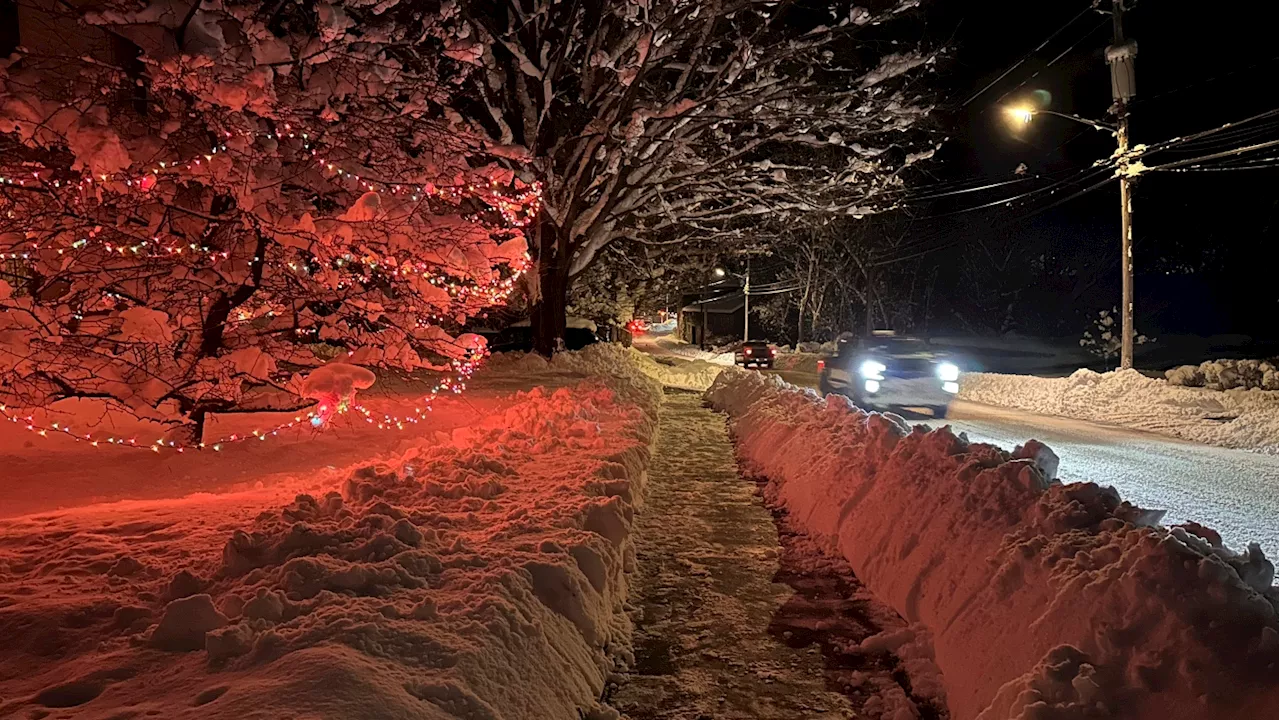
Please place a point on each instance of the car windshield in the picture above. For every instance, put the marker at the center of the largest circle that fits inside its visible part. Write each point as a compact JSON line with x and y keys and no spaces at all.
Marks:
{"x":897,"y":346}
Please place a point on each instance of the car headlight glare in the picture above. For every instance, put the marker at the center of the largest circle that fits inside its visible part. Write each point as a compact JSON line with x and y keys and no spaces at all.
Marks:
{"x":872,"y":370}
{"x":948,"y":372}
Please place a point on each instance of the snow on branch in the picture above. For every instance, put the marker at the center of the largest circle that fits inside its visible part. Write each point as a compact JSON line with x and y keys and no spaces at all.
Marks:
{"x":639,"y":117}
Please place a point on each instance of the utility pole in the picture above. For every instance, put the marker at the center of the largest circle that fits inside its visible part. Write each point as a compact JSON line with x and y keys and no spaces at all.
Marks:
{"x":746,"y":310}
{"x":702,"y":345}
{"x":1120,"y":58}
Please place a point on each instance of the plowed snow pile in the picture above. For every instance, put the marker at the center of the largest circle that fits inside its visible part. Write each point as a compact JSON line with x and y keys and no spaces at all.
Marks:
{"x":1242,"y":419}
{"x":478,"y":575}
{"x":1044,"y":600}
{"x":606,"y":359}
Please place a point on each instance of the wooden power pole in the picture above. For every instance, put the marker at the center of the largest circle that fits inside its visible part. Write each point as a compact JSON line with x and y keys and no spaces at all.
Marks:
{"x":1120,"y":58}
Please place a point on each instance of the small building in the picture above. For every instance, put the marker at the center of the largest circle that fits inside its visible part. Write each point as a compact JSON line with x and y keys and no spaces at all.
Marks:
{"x":712,"y":317}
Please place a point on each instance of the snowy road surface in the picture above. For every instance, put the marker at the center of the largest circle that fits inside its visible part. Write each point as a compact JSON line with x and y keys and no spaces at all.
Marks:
{"x":1232,"y":491}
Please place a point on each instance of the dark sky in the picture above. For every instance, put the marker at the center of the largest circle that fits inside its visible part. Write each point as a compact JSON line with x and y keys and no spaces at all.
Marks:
{"x":1206,"y":243}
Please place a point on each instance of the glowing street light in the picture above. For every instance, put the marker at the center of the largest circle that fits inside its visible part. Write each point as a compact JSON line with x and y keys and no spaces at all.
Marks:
{"x":718,"y":272}
{"x":1019,"y":113}
{"x":1023,"y":114}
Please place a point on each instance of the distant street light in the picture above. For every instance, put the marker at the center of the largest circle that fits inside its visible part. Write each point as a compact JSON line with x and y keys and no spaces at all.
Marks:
{"x":718,"y":272}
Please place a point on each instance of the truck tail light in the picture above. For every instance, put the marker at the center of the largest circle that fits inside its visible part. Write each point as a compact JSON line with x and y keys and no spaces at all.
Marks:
{"x":822,"y":365}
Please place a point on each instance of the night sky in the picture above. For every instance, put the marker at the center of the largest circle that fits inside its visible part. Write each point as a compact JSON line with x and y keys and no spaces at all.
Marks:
{"x":1205,"y":243}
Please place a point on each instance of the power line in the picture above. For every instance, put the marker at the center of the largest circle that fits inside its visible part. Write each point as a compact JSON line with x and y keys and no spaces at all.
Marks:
{"x":980,"y":188}
{"x":1050,"y":64}
{"x":1202,"y":81}
{"x":1185,"y":139}
{"x":1050,"y":188}
{"x":1215,"y":156}
{"x":1027,"y":57}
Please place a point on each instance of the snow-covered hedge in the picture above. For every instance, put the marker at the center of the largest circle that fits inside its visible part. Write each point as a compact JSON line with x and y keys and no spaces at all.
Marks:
{"x":1226,"y":375}
{"x":1044,"y":600}
{"x":1243,"y":419}
{"x":480,"y":573}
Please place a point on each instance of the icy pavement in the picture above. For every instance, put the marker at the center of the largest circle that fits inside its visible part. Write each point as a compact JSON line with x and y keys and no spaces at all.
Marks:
{"x":731,"y":623}
{"x":1231,"y":491}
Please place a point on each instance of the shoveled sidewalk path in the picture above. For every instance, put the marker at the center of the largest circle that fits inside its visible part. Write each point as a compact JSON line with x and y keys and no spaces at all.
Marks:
{"x":733,"y":621}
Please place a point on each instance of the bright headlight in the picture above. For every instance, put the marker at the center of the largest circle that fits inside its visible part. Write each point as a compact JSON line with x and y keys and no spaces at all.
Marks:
{"x":948,"y":372}
{"x":871,"y":369}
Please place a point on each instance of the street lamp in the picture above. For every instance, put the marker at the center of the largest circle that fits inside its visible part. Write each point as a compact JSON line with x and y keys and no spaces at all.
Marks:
{"x":1023,"y":114}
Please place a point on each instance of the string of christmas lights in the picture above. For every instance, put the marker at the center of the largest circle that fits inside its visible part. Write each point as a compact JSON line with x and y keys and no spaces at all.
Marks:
{"x":516,"y":211}
{"x":28,"y":423}
{"x":320,"y":417}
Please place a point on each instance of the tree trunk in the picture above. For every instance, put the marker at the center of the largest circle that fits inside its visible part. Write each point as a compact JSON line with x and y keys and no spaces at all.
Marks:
{"x":547,"y":311}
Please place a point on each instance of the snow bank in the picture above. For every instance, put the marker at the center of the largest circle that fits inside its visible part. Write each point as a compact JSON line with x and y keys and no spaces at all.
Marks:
{"x":607,"y":359}
{"x":479,"y":574}
{"x":797,"y":361}
{"x":1242,"y":419}
{"x":1044,"y":600}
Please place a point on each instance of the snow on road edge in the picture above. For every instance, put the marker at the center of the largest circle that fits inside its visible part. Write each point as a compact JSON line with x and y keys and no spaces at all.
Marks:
{"x":478,"y":574}
{"x":1035,"y":592}
{"x":1240,"y":419}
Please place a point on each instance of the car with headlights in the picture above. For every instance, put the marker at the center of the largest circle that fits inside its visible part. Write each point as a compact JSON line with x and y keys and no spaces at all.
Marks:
{"x":755,"y":353}
{"x":891,"y":372}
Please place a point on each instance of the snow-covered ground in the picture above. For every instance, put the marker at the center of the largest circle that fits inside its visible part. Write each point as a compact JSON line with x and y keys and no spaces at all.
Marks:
{"x":665,"y":344}
{"x":1041,"y":597}
{"x":607,"y":359}
{"x":478,"y":569}
{"x":1243,"y":419}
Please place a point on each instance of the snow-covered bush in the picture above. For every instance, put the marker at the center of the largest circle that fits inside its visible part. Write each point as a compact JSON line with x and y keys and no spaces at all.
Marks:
{"x":1106,"y":342}
{"x":193,"y":199}
{"x":1226,"y":374}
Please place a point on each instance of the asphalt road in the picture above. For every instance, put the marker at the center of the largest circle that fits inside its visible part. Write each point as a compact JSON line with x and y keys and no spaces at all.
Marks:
{"x":1232,"y":491}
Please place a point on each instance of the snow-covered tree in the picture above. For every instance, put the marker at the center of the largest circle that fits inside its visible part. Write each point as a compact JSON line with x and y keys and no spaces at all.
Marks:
{"x":198,"y":197}
{"x":1107,"y":340}
{"x":632,"y":278}
{"x":681,"y":119}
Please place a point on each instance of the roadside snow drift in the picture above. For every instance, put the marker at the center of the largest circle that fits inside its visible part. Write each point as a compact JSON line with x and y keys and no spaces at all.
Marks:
{"x":478,"y":575}
{"x":1044,"y":600}
{"x":605,"y":359}
{"x":1241,"y":419}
